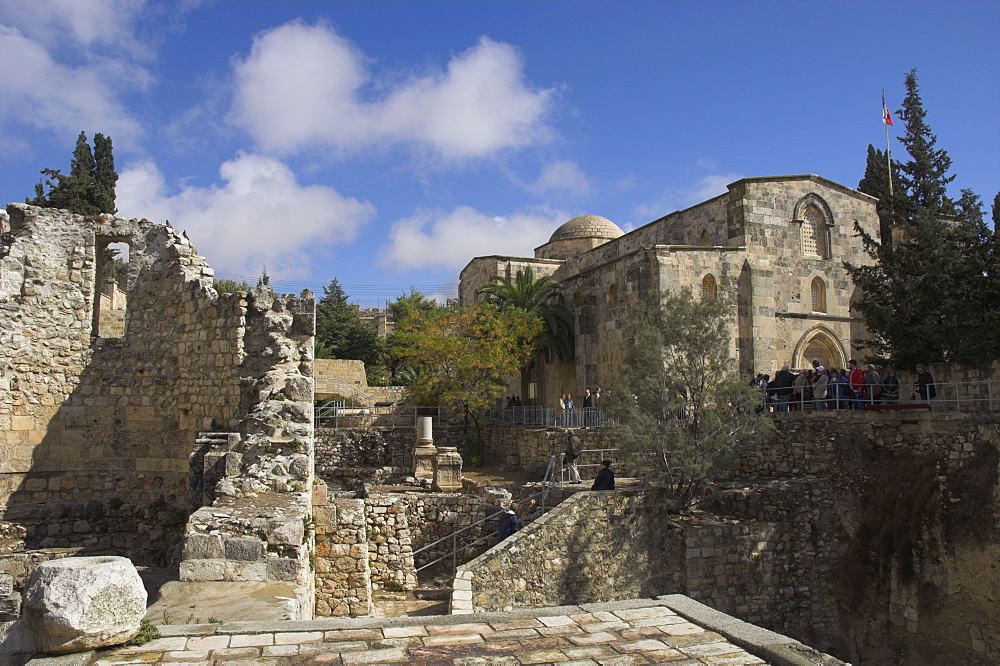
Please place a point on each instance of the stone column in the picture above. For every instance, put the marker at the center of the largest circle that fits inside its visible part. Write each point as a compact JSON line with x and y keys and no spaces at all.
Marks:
{"x":424,"y":452}
{"x":448,"y":470}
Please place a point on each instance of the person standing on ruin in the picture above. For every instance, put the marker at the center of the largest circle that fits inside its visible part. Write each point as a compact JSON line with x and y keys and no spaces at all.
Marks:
{"x":924,"y":387}
{"x":890,"y":387}
{"x":574,"y":449}
{"x":873,"y":384}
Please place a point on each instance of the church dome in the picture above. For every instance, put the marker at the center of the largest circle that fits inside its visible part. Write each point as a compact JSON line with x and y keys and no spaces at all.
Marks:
{"x":587,"y":226}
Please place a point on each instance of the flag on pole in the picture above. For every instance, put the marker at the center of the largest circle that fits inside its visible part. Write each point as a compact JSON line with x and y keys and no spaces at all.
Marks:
{"x":886,"y":118}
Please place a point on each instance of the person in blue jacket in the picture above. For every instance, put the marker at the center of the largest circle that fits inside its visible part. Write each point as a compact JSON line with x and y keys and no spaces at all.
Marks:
{"x":605,"y":478}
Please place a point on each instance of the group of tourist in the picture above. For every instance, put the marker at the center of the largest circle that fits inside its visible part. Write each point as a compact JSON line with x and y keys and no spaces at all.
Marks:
{"x":590,"y":400}
{"x":830,"y":388}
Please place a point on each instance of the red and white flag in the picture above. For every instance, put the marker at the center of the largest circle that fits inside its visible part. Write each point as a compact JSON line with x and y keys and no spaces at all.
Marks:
{"x":886,"y":117}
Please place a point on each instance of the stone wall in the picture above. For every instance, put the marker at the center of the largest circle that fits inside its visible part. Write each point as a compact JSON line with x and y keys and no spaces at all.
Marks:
{"x":95,"y":432}
{"x":593,"y":547}
{"x":100,"y":437}
{"x":343,"y":572}
{"x":530,"y":449}
{"x":867,"y":535}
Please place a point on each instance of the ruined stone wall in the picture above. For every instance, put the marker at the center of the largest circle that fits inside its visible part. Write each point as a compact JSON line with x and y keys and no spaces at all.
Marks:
{"x":102,"y":437}
{"x":390,"y":543}
{"x":867,"y":535}
{"x":95,"y":433}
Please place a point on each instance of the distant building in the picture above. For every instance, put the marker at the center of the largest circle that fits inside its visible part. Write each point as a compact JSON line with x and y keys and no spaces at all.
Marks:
{"x":773,"y":248}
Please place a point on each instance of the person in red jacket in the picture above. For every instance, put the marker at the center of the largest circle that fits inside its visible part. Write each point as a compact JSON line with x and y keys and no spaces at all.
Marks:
{"x":857,"y":382}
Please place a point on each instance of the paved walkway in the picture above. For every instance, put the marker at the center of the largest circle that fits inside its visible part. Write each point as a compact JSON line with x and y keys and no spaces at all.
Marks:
{"x":672,"y":629}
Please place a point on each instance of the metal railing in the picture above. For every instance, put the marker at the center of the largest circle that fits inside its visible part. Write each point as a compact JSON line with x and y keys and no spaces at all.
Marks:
{"x":976,"y":397}
{"x":340,"y":415}
{"x":585,"y":417}
{"x":556,"y":466}
{"x":340,"y":387}
{"x":539,"y":497}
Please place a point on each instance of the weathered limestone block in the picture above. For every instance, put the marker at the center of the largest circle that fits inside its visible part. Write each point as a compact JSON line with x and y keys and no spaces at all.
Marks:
{"x":81,"y":603}
{"x":448,"y":470}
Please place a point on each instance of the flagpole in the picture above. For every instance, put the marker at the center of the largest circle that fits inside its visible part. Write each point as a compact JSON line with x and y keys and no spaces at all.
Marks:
{"x":888,"y":157}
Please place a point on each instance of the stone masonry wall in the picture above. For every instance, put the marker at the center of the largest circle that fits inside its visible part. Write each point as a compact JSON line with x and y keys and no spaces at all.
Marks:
{"x":595,"y":546}
{"x":100,"y":438}
{"x":343,"y":572}
{"x":95,"y":432}
{"x":530,"y":449}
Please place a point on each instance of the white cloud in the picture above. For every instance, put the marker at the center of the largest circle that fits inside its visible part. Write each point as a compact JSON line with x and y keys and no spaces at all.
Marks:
{"x":302,"y":85}
{"x":259,"y":214}
{"x":563,"y":176}
{"x":451,"y":239}
{"x":79,"y":23}
{"x":44,"y":94}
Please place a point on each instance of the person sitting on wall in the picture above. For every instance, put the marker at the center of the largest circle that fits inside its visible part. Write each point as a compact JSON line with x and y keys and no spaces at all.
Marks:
{"x":605,"y":478}
{"x":509,"y":522}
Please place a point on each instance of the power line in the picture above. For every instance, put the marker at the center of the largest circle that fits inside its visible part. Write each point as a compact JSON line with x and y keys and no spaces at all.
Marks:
{"x":385,"y":292}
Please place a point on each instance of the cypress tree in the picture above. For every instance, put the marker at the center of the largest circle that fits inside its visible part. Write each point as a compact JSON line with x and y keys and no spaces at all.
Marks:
{"x":925,"y":176}
{"x":105,"y":176}
{"x":892,"y":209}
{"x":89,"y":188}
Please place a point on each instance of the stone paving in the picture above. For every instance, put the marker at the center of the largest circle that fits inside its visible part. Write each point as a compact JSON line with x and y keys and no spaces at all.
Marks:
{"x":673,"y":629}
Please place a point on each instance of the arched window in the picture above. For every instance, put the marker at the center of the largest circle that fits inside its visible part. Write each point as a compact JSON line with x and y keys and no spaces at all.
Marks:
{"x":708,"y":287}
{"x":613,"y":296}
{"x":818,"y":295}
{"x":814,"y":233}
{"x":703,"y":238}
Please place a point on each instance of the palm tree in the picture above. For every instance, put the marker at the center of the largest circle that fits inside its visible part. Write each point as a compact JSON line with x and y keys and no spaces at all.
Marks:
{"x":536,"y":295}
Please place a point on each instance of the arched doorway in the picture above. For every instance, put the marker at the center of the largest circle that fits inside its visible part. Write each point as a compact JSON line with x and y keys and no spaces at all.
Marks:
{"x":819,"y":344}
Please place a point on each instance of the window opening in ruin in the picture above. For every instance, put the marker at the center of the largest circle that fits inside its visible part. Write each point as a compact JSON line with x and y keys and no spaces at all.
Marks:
{"x":533,"y":391}
{"x":111,"y":287}
{"x":818,"y":295}
{"x":703,"y":238}
{"x":613,"y":296}
{"x":709,"y":287}
{"x":814,"y":232}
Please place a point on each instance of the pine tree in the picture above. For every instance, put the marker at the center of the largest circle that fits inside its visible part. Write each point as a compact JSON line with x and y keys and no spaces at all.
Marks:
{"x":339,"y":327}
{"x":925,"y":176}
{"x":89,"y":189}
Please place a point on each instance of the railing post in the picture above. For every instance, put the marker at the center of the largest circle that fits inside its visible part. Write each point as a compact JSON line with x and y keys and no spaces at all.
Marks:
{"x":454,"y":552}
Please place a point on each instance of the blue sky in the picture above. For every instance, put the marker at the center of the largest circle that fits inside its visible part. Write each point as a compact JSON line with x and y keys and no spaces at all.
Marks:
{"x":386,"y":144}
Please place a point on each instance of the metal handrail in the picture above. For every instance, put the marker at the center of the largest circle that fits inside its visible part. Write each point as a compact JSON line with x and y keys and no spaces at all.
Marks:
{"x":456,"y":549}
{"x":543,"y":494}
{"x":343,"y":388}
{"x":534,"y":415}
{"x":388,"y":415}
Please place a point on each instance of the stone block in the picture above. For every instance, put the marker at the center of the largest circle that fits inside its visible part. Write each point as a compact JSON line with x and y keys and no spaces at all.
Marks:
{"x":80,"y":603}
{"x":202,"y":547}
{"x":202,"y":570}
{"x":282,"y":568}
{"x":243,"y":549}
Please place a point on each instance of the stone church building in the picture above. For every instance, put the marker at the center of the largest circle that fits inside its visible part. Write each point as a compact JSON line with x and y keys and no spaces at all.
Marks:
{"x":773,"y":248}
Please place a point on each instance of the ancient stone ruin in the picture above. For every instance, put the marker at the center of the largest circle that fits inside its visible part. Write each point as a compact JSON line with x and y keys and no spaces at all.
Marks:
{"x":158,"y":420}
